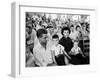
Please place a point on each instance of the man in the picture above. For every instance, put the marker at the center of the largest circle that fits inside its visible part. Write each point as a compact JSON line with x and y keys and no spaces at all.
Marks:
{"x":42,"y":52}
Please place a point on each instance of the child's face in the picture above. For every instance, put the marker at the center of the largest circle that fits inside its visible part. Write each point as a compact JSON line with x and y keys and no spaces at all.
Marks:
{"x":75,"y":44}
{"x":56,"y":41}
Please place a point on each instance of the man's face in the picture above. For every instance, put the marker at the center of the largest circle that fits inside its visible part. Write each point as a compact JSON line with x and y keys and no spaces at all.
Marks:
{"x":66,"y":33}
{"x":43,"y":39}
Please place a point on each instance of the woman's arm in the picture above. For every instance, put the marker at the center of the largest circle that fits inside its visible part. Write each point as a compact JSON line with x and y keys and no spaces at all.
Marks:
{"x":66,"y":54}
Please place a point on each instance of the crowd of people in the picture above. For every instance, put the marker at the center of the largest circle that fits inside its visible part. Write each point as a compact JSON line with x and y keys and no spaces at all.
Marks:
{"x":56,"y":41}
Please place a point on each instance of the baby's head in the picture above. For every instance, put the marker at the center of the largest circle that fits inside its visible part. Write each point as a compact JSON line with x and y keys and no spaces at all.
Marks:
{"x":76,"y":42}
{"x":55,"y":39}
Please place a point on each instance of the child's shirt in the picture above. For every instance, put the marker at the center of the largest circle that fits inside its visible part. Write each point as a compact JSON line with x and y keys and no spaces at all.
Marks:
{"x":75,"y":50}
{"x":57,"y":49}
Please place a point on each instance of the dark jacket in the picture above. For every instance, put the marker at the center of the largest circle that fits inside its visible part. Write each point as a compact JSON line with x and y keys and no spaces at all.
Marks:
{"x":66,"y":43}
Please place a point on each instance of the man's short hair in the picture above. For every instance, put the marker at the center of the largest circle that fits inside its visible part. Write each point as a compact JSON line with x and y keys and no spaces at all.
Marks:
{"x":65,"y":28}
{"x":55,"y":36}
{"x":40,"y":32}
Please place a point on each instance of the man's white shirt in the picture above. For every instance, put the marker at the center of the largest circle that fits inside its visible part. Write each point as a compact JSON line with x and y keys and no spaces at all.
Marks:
{"x":43,"y":56}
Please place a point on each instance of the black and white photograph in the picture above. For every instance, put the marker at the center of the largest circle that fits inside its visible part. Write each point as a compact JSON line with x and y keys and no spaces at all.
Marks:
{"x":52,"y":40}
{"x":56,"y":39}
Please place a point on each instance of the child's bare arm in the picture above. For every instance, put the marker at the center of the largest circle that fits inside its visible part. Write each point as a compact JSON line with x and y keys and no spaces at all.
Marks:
{"x":80,"y":51}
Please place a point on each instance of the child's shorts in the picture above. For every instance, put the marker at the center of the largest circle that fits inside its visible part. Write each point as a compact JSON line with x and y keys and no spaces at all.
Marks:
{"x":60,"y":59}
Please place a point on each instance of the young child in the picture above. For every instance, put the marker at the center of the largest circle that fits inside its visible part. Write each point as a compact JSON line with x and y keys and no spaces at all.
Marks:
{"x":76,"y":53}
{"x":59,"y":52}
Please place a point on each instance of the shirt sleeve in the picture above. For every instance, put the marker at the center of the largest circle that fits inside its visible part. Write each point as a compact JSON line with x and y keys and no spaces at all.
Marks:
{"x":62,"y":48}
{"x":72,"y":50}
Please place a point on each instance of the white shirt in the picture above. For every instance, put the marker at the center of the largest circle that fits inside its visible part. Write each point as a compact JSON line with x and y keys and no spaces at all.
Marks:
{"x":75,"y":50}
{"x":57,"y":49}
{"x":42,"y":55}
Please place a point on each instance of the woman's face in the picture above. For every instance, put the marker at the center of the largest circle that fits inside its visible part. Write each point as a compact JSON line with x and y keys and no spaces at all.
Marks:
{"x":66,"y":33}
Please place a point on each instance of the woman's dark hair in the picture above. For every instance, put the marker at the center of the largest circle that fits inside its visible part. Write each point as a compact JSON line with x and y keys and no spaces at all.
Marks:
{"x":40,"y":32}
{"x":55,"y":36}
{"x":65,"y":28}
